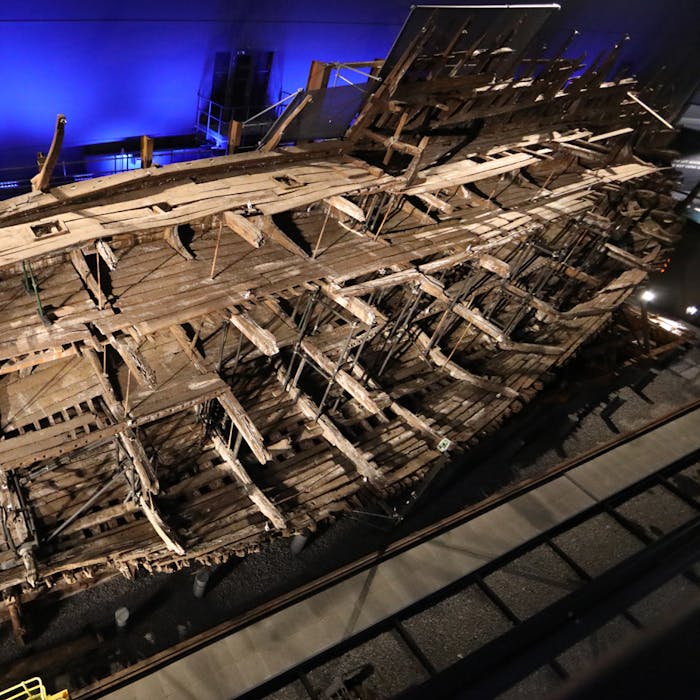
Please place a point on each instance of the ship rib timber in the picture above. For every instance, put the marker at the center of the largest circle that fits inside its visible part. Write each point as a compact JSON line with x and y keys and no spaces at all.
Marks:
{"x":338,"y":314}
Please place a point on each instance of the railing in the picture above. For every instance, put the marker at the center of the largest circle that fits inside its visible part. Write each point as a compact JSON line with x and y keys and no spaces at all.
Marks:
{"x":213,"y":120}
{"x":15,"y":180}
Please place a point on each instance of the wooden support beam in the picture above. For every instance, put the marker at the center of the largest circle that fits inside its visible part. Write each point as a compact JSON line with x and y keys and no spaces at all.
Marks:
{"x":441,"y":361}
{"x":157,"y":523}
{"x":361,"y":310}
{"x":319,"y":73}
{"x":346,"y":206}
{"x":264,"y":504}
{"x":326,"y":365}
{"x":235,"y":135}
{"x":363,"y":288}
{"x":134,"y":360}
{"x":171,"y":235}
{"x":287,"y":118}
{"x":275,"y":233}
{"x":261,"y":338}
{"x":346,"y":381}
{"x":416,"y":422}
{"x":389,"y":142}
{"x":432,"y":287}
{"x":228,"y":401}
{"x":37,"y":358}
{"x":435,"y":202}
{"x":107,"y":254}
{"x":332,"y":434}
{"x":243,"y":422}
{"x":40,"y":182}
{"x":495,"y":265}
{"x":245,"y":228}
{"x":627,"y":259}
{"x":77,"y":258}
{"x":146,"y":151}
{"x":142,"y":464}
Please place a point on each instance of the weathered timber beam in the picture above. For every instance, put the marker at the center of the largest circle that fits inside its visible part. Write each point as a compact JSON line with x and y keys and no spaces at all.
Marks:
{"x":126,"y":436}
{"x":346,"y":206}
{"x":171,"y":235}
{"x":107,"y":254}
{"x":276,"y":234}
{"x":285,"y":121}
{"x":390,"y":142}
{"x":134,"y":360}
{"x":411,"y":210}
{"x":344,"y":380}
{"x":243,"y":422}
{"x":627,"y":258}
{"x":547,"y":311}
{"x":441,"y":361}
{"x":228,"y":401}
{"x":392,"y":280}
{"x":418,"y":423}
{"x":531,"y":348}
{"x":435,"y":202}
{"x":261,"y":338}
{"x":332,"y":434}
{"x":142,"y":464}
{"x":190,"y":351}
{"x":157,"y":523}
{"x":325,"y":364}
{"x":432,"y":287}
{"x":77,"y":258}
{"x":245,"y":228}
{"x":37,"y":358}
{"x":41,"y":180}
{"x":254,"y":493}
{"x":493,"y":264}
{"x":361,"y":310}
{"x":18,"y":527}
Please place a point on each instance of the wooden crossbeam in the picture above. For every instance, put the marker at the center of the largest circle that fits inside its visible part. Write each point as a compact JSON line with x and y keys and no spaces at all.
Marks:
{"x":232,"y":407}
{"x":134,"y":360}
{"x":357,"y":307}
{"x":346,"y":206}
{"x":264,"y":504}
{"x":245,"y":227}
{"x":332,"y":434}
{"x":260,"y":337}
{"x":441,"y":361}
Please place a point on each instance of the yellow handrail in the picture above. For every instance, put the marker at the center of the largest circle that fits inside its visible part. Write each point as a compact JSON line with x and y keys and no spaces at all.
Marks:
{"x":32,"y":689}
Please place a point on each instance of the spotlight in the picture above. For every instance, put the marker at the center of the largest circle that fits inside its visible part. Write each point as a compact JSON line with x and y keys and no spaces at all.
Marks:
{"x":648,"y":295}
{"x":691,"y":310}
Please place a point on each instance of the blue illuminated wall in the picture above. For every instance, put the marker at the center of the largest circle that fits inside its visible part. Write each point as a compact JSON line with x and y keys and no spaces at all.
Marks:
{"x":115,"y":69}
{"x":127,"y":67}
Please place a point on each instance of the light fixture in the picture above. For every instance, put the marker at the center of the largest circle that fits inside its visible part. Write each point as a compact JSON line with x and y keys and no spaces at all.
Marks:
{"x":691,"y":310}
{"x":648,"y":295}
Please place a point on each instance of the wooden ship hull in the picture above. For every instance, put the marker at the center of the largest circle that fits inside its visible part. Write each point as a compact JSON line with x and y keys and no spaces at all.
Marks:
{"x":199,"y":357}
